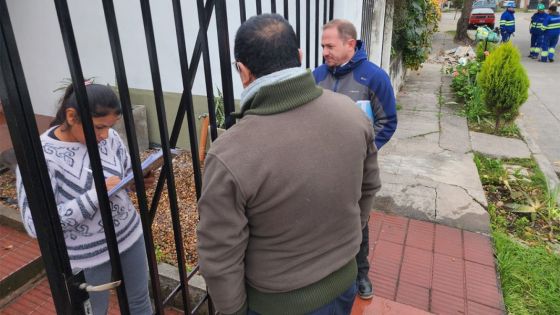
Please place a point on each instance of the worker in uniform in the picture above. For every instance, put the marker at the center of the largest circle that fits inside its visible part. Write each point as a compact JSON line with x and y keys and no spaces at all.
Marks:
{"x":507,"y":22}
{"x":551,"y":27}
{"x":537,"y":31}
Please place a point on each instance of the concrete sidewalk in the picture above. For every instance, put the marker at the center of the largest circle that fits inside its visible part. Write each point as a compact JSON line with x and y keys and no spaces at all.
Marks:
{"x":427,"y":168}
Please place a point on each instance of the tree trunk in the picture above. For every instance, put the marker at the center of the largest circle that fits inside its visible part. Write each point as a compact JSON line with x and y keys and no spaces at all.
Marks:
{"x":463,"y":23}
{"x":497,"y":126}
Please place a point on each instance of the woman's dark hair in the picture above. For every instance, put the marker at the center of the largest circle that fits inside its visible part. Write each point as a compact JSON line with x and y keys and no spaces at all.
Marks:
{"x":265,"y":44}
{"x":102,"y":102}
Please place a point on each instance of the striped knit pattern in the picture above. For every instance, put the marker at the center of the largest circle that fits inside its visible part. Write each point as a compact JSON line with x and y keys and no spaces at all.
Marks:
{"x":76,"y":198}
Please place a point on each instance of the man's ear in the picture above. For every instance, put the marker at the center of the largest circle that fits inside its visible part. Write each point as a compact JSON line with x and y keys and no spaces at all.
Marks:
{"x":246,"y":75}
{"x":352,"y":43}
{"x":300,"y":52}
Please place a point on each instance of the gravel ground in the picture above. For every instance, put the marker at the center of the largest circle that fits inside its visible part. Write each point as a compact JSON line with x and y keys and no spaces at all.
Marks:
{"x":162,"y":228}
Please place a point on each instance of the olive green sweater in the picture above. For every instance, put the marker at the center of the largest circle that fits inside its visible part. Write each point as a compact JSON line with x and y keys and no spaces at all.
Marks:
{"x":285,"y":193}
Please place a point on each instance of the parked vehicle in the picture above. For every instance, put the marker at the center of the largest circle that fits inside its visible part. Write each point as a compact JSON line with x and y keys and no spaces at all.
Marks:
{"x":492,"y":4}
{"x":482,"y":16}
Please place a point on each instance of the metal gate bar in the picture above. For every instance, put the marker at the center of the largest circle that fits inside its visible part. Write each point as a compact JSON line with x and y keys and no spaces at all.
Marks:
{"x":307,"y":32}
{"x":316,"y":33}
{"x":259,"y":7}
{"x":124,"y":95}
{"x":93,"y":151}
{"x":242,"y":11}
{"x":273,"y":6}
{"x":207,"y":74}
{"x":29,"y":152}
{"x":286,"y":15}
{"x":187,"y":92}
{"x":225,"y":61}
{"x":182,"y":108}
{"x":162,"y":124}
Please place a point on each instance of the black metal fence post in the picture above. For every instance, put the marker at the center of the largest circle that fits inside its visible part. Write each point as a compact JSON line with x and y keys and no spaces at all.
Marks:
{"x":93,"y":151}
{"x":162,"y":124}
{"x":225,"y":61}
{"x":124,"y":95}
{"x":207,"y":74}
{"x":259,"y":7}
{"x":242,"y":11}
{"x":33,"y":168}
{"x":179,"y":118}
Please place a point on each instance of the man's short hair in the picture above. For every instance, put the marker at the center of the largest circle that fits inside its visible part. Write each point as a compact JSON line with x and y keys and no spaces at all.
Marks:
{"x":552,"y":8}
{"x":265,"y":44}
{"x":346,"y":30}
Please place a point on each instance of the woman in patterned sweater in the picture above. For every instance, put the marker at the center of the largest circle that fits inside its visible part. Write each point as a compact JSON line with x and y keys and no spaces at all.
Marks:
{"x":72,"y":182}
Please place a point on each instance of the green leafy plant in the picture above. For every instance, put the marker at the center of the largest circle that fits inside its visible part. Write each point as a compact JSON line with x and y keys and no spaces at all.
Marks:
{"x":220,"y":112}
{"x":504,"y":83}
{"x":415,"y":22}
{"x":551,"y":210}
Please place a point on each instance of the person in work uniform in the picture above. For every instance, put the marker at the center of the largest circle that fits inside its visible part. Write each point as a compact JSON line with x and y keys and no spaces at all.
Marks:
{"x":537,"y":31}
{"x":551,"y":27}
{"x":507,"y":22}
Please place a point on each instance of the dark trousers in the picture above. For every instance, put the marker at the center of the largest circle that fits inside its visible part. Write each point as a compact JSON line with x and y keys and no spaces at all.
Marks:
{"x":362,"y":257}
{"x":505,"y":36}
{"x":341,"y":305}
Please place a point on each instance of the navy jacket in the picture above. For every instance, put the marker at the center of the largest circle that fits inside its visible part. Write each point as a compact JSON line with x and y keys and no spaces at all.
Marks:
{"x":552,"y":25}
{"x":507,"y":22}
{"x":537,"y":21}
{"x":361,"y":79}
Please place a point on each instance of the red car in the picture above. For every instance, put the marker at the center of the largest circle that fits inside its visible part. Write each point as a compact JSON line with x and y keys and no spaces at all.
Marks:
{"x":482,"y":16}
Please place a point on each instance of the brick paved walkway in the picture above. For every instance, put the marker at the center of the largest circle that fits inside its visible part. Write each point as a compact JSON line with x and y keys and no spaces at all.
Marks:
{"x":416,"y":267}
{"x":16,"y":250}
{"x":431,"y":267}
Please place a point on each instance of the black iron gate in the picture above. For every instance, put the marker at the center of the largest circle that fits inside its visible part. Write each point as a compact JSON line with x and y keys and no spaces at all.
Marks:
{"x":68,"y":297}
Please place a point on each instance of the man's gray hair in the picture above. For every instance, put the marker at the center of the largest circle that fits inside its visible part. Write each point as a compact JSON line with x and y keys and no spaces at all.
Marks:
{"x":346,"y":30}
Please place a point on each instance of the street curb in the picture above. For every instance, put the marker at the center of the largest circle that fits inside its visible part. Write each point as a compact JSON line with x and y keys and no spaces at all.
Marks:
{"x":543,"y":163}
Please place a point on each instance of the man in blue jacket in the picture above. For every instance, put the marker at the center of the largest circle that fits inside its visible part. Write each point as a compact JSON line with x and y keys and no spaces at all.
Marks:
{"x":347,"y":71}
{"x":537,"y":31}
{"x":507,"y":22}
{"x":551,"y":31}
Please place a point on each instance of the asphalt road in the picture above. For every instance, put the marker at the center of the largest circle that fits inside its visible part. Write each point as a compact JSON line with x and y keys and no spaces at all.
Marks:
{"x":541,"y":113}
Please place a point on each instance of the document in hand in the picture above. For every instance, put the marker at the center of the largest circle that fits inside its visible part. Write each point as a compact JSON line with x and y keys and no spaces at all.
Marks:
{"x":152,"y":162}
{"x":366,"y":107}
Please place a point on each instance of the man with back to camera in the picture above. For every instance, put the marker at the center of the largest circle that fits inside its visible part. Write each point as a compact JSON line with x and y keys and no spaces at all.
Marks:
{"x":287,"y":189}
{"x":347,"y":71}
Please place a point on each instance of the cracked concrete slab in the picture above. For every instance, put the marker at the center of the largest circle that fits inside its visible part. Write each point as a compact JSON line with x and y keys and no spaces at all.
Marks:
{"x":453,"y":136}
{"x":427,"y":170}
{"x":499,"y":147}
{"x":419,"y":102}
{"x":416,"y":123}
{"x":456,"y":207}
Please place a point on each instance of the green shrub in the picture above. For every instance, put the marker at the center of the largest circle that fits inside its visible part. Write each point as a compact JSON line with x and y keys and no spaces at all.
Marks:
{"x":504,"y":83}
{"x":415,"y":22}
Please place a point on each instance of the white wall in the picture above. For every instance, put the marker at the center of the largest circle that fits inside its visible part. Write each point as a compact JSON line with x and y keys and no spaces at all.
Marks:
{"x":44,"y":61}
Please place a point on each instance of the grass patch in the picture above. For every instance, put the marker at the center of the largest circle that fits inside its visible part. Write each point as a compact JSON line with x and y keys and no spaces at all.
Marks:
{"x":530,"y":277}
{"x":399,"y":106}
{"x":520,"y":203}
{"x":486,"y":125}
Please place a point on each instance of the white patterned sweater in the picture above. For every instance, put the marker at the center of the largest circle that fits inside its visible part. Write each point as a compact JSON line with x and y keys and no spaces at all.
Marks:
{"x":76,"y":198}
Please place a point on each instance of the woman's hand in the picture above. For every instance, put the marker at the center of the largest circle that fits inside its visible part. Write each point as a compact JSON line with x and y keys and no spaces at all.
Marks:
{"x":149,"y":181}
{"x":111,"y":182}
